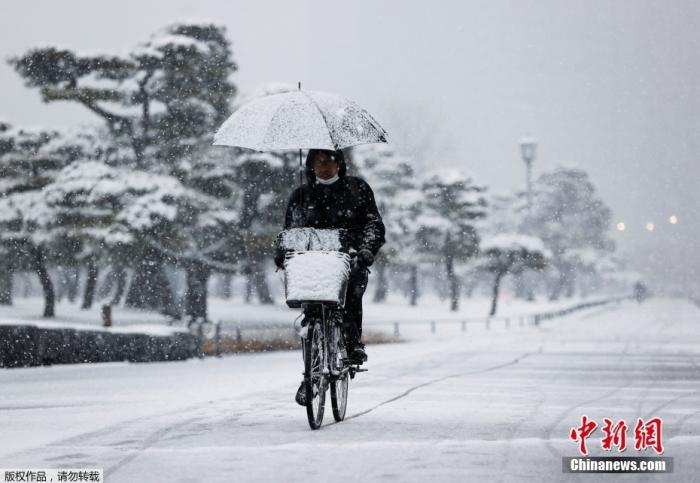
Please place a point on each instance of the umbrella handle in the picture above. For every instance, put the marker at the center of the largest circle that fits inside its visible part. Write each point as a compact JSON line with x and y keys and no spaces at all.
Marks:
{"x":301,"y":191}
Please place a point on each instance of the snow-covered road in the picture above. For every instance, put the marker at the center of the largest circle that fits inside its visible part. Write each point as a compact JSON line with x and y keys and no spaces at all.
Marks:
{"x":493,"y":405}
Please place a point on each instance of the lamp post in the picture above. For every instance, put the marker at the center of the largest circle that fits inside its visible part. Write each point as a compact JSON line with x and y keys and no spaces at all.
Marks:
{"x":528,"y":149}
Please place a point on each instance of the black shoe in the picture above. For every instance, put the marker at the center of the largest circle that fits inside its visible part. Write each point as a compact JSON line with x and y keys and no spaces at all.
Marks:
{"x":358,"y":354}
{"x":300,"y":398}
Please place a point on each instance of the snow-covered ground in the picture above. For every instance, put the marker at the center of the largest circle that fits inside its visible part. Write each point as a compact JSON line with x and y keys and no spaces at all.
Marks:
{"x":234,"y":313}
{"x":491,"y":405}
{"x":27,"y":311}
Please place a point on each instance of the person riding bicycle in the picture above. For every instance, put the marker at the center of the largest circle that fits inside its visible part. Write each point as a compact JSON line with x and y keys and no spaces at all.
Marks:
{"x":331,"y":199}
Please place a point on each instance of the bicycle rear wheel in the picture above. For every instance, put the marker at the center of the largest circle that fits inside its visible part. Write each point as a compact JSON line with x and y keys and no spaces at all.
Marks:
{"x":314,"y":379}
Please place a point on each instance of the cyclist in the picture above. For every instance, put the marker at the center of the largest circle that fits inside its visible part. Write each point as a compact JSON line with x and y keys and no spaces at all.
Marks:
{"x":331,"y":199}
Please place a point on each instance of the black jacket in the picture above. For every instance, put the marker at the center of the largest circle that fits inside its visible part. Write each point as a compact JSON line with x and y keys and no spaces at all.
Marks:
{"x":348,"y":203}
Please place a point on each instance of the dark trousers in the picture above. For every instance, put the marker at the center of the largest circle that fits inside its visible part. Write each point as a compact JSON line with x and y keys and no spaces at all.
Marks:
{"x":352,"y":313}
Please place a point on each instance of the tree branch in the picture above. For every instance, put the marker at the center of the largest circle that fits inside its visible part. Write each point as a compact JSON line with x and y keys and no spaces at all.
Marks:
{"x":88,"y":97}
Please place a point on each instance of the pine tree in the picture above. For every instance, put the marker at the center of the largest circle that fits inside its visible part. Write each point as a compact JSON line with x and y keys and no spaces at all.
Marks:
{"x":30,"y":159}
{"x":446,"y":226}
{"x":510,"y":253}
{"x":161,"y":101}
{"x":568,"y":216}
{"x":399,"y":201}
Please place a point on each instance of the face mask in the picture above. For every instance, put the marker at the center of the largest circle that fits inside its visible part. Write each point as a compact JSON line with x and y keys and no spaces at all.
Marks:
{"x":329,"y":180}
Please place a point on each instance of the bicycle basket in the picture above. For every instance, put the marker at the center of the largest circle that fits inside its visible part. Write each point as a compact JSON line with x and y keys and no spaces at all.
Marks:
{"x":316,"y":276}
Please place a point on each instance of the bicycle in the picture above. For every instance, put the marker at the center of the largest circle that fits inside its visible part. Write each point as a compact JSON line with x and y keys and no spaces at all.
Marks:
{"x":314,"y":255}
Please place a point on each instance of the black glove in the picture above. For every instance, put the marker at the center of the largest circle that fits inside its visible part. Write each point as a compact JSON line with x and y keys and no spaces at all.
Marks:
{"x":279,"y":259}
{"x":365,"y":258}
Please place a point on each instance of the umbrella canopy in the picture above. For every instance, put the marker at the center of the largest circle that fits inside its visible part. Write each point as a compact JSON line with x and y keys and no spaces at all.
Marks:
{"x":299,"y":120}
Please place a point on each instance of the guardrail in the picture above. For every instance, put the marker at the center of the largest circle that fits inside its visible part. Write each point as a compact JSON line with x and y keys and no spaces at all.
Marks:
{"x":265,"y":331}
{"x":532,"y":319}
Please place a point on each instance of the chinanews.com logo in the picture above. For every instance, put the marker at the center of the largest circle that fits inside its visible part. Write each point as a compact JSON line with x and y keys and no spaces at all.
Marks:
{"x":648,"y":438}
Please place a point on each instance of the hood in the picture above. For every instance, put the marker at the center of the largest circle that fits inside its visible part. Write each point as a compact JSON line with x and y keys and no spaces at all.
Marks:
{"x":309,"y":170}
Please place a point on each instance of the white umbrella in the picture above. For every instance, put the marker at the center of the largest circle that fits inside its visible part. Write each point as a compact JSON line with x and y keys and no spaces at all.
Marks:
{"x":299,"y":120}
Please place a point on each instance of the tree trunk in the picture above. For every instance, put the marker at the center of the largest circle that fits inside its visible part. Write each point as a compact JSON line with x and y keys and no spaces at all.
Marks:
{"x":61,"y":283}
{"x":226,"y":286}
{"x":524,"y":281}
{"x":496,"y":287}
{"x":530,"y":286}
{"x":520,"y":284}
{"x":72,"y":283}
{"x":248,"y":272}
{"x":105,"y":288}
{"x":584,"y":285}
{"x":453,"y":283}
{"x":196,"y":294}
{"x":150,"y":288}
{"x":39,"y":264}
{"x":413,"y":285}
{"x":26,"y":282}
{"x":570,"y":285}
{"x":261,"y":286}
{"x":90,"y":283}
{"x":120,"y":275}
{"x":382,"y":282}
{"x":256,"y":282}
{"x":6,"y":285}
{"x":559,"y":284}
{"x":470,"y":286}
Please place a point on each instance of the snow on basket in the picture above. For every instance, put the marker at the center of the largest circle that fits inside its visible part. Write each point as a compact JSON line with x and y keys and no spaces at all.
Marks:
{"x":302,"y":239}
{"x":316,"y":276}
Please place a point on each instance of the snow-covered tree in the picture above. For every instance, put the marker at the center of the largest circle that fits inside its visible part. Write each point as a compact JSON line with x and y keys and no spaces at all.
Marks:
{"x":510,"y":253}
{"x":162,"y":100}
{"x":265,"y":181}
{"x":446,"y":231}
{"x":568,"y":216}
{"x":30,"y":159}
{"x":116,"y":212}
{"x":507,"y":214}
{"x":261,"y":210}
{"x":399,"y":201}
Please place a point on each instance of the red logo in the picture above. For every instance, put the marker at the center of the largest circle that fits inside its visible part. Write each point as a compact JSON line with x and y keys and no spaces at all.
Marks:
{"x":646,"y":434}
{"x":614,"y":435}
{"x":582,"y":433}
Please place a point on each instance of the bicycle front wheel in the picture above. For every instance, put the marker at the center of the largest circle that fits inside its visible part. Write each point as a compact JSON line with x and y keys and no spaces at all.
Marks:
{"x":339,"y":396}
{"x":340,"y":383}
{"x":314,"y":379}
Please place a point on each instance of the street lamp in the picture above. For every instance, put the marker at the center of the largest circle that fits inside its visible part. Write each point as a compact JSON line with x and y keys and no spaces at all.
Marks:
{"x":528,"y":149}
